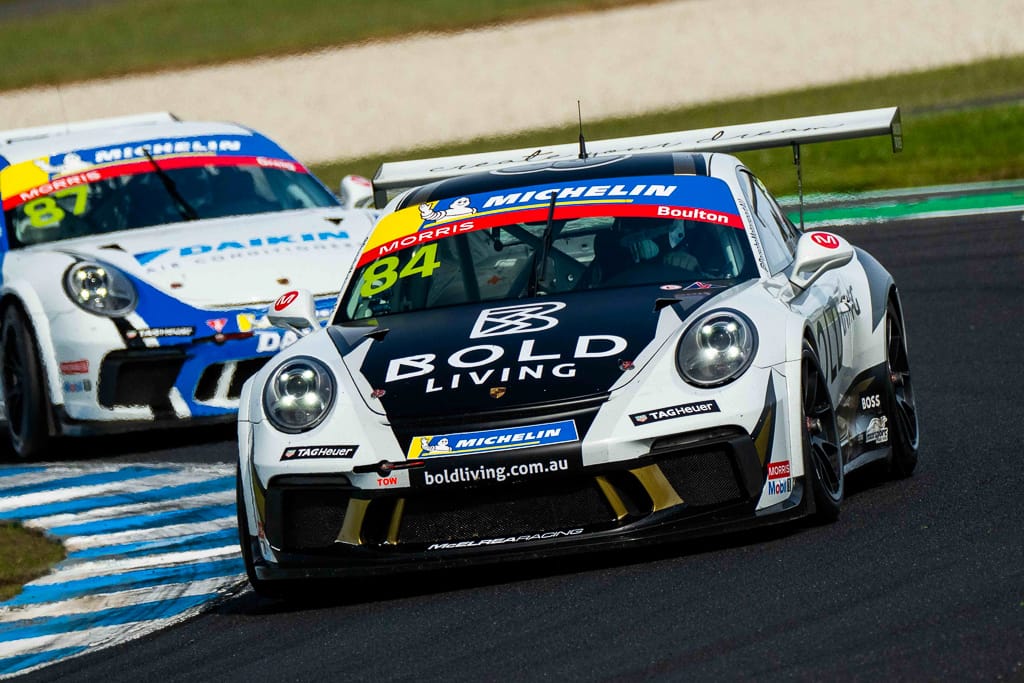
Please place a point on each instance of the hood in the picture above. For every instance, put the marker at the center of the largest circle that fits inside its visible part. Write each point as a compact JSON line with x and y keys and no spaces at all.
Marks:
{"x":482,"y":358}
{"x":235,"y":261}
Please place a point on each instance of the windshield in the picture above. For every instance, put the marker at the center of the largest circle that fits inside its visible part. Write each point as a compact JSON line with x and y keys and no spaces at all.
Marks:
{"x":673,"y":231}
{"x":155,"y":191}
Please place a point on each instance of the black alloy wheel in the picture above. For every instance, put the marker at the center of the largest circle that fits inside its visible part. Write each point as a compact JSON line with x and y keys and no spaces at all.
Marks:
{"x":823,"y":456}
{"x":900,"y":394}
{"x":25,"y":398}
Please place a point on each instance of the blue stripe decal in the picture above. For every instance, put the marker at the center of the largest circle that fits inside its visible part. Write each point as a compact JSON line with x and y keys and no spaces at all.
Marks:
{"x":110,"y":526}
{"x":214,"y":539}
{"x":140,"y":578}
{"x":125,"y":474}
{"x":132,"y":498}
{"x":11,"y":665}
{"x":11,"y":471}
{"x":115,"y":616}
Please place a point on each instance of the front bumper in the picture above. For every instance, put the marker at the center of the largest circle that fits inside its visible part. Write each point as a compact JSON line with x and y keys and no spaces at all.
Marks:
{"x":687,"y":486}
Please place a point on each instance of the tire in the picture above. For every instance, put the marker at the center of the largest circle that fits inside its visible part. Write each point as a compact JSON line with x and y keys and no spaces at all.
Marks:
{"x":274,"y":590}
{"x":823,"y":455}
{"x":902,"y":409}
{"x":26,"y":404}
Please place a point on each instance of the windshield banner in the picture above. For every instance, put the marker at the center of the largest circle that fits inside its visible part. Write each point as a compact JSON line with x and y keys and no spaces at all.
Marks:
{"x":28,"y":180}
{"x":697,"y":198}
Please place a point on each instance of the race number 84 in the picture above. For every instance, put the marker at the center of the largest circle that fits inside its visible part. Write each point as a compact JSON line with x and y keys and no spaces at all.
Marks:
{"x":384,"y":273}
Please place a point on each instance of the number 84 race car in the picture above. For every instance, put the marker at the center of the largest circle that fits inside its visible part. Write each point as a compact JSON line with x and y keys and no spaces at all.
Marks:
{"x":548,"y":350}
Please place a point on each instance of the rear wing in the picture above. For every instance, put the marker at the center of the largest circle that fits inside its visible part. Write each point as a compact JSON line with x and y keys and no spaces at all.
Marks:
{"x":399,"y":175}
{"x":37,"y":132}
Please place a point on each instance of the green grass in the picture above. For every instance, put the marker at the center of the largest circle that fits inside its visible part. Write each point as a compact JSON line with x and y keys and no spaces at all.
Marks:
{"x":961,"y":124}
{"x":124,"y":37}
{"x":25,"y":554}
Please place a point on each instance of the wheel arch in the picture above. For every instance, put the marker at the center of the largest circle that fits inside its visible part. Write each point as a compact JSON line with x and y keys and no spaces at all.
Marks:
{"x":25,"y":298}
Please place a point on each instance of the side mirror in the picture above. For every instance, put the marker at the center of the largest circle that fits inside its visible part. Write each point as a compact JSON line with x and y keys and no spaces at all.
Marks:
{"x":355,"y":192}
{"x":816,"y":253}
{"x":295,"y":311}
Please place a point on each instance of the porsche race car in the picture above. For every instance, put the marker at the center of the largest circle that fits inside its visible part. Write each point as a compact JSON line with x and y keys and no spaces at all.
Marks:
{"x":553,"y":350}
{"x":138,"y":258}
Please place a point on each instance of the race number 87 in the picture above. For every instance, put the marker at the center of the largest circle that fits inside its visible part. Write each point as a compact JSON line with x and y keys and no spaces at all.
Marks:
{"x":45,"y":212}
{"x":384,"y":273}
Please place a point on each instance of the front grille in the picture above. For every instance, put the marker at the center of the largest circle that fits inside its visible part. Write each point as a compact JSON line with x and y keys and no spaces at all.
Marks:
{"x":233,"y":373}
{"x":139,"y":378}
{"x":704,"y":477}
{"x":494,"y":514}
{"x":305,"y":518}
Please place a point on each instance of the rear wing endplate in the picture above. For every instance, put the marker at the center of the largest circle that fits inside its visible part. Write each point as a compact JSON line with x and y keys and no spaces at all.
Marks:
{"x":399,"y":175}
{"x":37,"y":132}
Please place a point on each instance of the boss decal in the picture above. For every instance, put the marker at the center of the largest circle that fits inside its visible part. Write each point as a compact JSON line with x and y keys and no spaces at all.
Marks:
{"x":312,"y":452}
{"x":670,"y":412}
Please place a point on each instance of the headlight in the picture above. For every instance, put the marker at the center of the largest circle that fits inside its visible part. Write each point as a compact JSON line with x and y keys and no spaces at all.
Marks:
{"x":99,"y":289}
{"x":716,"y":349}
{"x":298,"y":395}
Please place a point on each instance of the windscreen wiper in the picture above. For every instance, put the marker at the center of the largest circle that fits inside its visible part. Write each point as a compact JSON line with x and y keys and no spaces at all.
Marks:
{"x":540,"y":256}
{"x":184,"y":208}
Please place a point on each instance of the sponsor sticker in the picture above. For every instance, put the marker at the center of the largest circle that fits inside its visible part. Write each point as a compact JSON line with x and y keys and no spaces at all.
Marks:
{"x":217,"y":324}
{"x":77,"y":387}
{"x":671,"y":412}
{"x":285,"y":300}
{"x":518,"y":319}
{"x":491,"y":440}
{"x":476,"y":543}
{"x":780,"y":486}
{"x":878,"y":430}
{"x":155,"y":332}
{"x":75,"y":367}
{"x":312,"y":452}
{"x":824,"y":239}
{"x":778,"y":470}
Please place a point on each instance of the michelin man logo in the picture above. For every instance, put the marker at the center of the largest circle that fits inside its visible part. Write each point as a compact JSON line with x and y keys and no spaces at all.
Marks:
{"x":72,"y":163}
{"x":442,"y":446}
{"x":459,"y":207}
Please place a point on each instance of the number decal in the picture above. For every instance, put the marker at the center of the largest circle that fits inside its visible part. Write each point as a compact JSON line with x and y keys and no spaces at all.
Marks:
{"x":384,"y":273}
{"x":45,"y":212}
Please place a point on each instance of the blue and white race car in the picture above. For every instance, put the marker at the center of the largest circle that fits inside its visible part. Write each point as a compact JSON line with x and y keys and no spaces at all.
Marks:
{"x":139,"y":255}
{"x":550,"y":350}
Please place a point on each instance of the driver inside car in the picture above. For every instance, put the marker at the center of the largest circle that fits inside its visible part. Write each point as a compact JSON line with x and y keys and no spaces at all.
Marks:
{"x":649,"y":239}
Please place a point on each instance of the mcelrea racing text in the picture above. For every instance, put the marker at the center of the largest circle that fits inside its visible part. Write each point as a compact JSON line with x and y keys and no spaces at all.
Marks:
{"x":499,"y":473}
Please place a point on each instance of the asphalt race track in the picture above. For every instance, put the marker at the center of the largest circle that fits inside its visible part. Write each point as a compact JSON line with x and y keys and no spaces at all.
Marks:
{"x":920,"y":579}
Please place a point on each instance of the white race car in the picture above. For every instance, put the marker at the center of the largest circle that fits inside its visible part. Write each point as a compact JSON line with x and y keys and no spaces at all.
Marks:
{"x":558,"y":350}
{"x":138,"y":257}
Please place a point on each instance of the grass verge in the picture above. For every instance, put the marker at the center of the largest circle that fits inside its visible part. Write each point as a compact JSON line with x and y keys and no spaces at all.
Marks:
{"x":118,"y":38}
{"x":961,"y":124}
{"x":25,"y":554}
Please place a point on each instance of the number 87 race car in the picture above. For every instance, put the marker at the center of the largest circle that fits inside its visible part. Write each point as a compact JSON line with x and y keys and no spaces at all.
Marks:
{"x":138,"y":258}
{"x":549,"y":350}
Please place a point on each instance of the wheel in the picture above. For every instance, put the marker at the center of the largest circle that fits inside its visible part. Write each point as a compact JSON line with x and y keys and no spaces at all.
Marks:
{"x":900,"y":398}
{"x":275,"y":590}
{"x":823,"y":458}
{"x":25,"y":399}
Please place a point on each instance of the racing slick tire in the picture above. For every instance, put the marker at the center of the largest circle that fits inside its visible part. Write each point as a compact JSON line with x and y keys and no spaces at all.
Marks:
{"x":900,"y":398}
{"x":26,"y":405}
{"x":823,"y":455}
